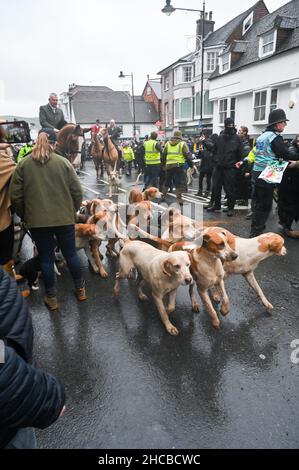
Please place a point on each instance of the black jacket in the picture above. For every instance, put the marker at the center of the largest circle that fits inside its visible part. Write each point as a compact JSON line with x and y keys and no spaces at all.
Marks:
{"x":207,"y":156}
{"x":229,"y":150}
{"x":15,"y":321}
{"x":29,"y":397}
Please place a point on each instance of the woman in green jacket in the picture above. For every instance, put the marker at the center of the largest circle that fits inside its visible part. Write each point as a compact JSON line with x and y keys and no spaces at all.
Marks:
{"x":46,"y":193}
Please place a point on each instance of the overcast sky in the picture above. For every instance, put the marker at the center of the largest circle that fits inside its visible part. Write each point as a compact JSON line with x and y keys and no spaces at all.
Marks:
{"x":48,"y":44}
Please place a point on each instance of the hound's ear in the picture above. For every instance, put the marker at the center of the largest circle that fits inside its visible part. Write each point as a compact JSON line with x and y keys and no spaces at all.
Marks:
{"x":206,"y":238}
{"x":166,"y":265}
{"x":77,"y":131}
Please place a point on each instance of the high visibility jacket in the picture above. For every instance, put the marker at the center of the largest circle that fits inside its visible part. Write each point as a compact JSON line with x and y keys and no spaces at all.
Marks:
{"x":264,"y":154}
{"x":175,"y":154}
{"x":251,"y":156}
{"x":152,"y":155}
{"x":128,"y":154}
{"x":23,"y":151}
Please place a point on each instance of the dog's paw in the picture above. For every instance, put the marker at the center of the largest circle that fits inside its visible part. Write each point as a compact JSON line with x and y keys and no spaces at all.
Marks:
{"x":224,"y":310}
{"x":196,"y":308}
{"x":142,"y":297}
{"x":103,"y":273}
{"x":268,"y":306}
{"x":172,"y":330}
{"x":216,"y":323}
{"x":170,"y":309}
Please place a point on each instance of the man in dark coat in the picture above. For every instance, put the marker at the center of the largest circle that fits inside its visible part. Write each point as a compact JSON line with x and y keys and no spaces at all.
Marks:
{"x":288,"y":193}
{"x":50,"y":116}
{"x":228,"y":153}
{"x":29,"y":397}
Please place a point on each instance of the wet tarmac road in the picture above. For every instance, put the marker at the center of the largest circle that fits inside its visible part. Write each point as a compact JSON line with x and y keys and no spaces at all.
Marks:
{"x":129,"y":384}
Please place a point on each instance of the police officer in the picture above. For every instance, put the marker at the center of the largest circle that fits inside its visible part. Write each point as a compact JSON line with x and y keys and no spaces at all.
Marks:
{"x":175,"y":154}
{"x":270,"y":147}
{"x":152,"y":157}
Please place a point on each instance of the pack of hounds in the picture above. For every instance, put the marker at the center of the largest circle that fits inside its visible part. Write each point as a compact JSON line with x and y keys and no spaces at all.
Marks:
{"x":188,"y":253}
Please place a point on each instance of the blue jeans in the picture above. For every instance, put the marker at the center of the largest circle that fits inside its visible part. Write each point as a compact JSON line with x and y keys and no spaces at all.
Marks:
{"x":44,"y":239}
{"x":24,"y":439}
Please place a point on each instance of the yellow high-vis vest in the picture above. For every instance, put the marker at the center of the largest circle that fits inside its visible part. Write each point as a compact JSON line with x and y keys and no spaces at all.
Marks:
{"x":175,"y":154}
{"x":128,"y":154}
{"x":152,"y":155}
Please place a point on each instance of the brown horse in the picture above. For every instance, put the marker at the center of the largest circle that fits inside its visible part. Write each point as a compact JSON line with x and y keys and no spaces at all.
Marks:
{"x":68,"y":141}
{"x":110,"y":155}
{"x":97,"y":153}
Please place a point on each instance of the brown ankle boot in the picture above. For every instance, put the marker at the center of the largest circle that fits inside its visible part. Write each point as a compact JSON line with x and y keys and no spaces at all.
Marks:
{"x":9,"y":267}
{"x":51,"y":302}
{"x":25,"y":293}
{"x":81,"y":294}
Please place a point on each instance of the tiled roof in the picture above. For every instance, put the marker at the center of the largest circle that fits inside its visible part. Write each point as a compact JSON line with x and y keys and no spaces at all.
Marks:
{"x":267,"y":23}
{"x":104,"y":104}
{"x":156,"y":86}
{"x":221,"y":35}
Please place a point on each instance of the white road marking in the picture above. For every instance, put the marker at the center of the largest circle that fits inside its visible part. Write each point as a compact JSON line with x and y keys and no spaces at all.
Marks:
{"x":90,"y":190}
{"x":187,"y":199}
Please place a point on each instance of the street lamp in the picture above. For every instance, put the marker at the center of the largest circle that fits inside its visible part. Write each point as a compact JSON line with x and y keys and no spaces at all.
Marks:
{"x":122,"y":75}
{"x":168,"y":10}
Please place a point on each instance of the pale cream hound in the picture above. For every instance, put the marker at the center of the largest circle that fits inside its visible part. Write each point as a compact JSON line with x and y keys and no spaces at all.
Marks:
{"x":163,"y":272}
{"x":207,"y":269}
{"x":251,"y":251}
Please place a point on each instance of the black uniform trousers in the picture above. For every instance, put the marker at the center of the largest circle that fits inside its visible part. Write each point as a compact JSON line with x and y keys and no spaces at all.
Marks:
{"x":262,"y":201}
{"x":224,"y":177}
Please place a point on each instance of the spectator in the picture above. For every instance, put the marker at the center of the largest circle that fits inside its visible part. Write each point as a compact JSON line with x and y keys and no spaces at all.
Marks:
{"x":152,"y":152}
{"x":175,"y":154}
{"x":128,"y":157}
{"x":228,"y":152}
{"x":29,"y":397}
{"x":24,"y":151}
{"x":269,"y":147}
{"x":243,"y":172}
{"x":205,"y":153}
{"x":50,"y":116}
{"x":288,"y":193}
{"x":49,"y":210}
{"x":7,"y":167}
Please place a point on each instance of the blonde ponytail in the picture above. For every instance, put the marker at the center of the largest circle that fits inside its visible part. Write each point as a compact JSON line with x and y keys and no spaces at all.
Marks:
{"x":42,"y":149}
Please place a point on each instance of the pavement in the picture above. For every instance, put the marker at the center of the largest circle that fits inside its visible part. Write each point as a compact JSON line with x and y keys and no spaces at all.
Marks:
{"x":130,"y":385}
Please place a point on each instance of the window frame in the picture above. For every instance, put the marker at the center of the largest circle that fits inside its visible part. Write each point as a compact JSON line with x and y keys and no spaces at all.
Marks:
{"x":189,"y":117}
{"x":248,"y":19}
{"x":186,"y":74}
{"x":222,"y":112}
{"x":262,"y":44}
{"x":229,"y":111}
{"x":166,"y":82}
{"x":207,"y":102}
{"x":260,"y":106}
{"x":166,"y":114}
{"x":228,"y":63}
{"x":272,"y":104}
{"x":215,"y":60}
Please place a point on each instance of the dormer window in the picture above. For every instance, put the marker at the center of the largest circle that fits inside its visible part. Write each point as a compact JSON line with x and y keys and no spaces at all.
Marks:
{"x":247,"y":23}
{"x":267,"y":44}
{"x":225,"y":63}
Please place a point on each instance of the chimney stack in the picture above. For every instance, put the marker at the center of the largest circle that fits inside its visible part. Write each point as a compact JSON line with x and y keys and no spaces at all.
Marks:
{"x":208,"y":27}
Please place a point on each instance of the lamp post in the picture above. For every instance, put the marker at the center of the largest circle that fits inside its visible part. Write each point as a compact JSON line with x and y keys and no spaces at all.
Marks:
{"x":122,"y":75}
{"x":168,"y":10}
